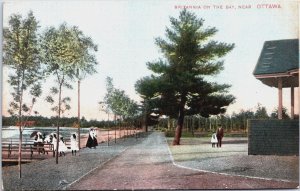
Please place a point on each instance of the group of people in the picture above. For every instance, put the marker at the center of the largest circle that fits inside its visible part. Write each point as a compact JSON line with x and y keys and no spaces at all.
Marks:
{"x":40,"y":139}
{"x":216,"y":138}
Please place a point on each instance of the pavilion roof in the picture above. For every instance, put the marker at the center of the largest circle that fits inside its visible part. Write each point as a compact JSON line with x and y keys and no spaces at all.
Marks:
{"x":279,"y":58}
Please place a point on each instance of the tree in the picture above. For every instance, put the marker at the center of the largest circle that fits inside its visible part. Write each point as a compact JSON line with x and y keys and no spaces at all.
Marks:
{"x":240,"y":119}
{"x":66,"y":51}
{"x":21,"y":55}
{"x":85,"y":65}
{"x":179,"y":87}
{"x":261,"y":112}
{"x":274,"y":114}
{"x":118,"y":102}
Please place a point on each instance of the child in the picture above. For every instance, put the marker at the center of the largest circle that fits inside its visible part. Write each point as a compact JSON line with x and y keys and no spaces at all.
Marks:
{"x":62,"y":147}
{"x":213,"y":140}
{"x":74,"y":143}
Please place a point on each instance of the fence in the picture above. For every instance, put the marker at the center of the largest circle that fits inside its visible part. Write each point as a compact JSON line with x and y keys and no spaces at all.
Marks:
{"x":273,"y":137}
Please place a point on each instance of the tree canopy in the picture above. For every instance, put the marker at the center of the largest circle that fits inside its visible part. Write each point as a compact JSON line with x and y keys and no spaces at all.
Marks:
{"x":179,"y":86}
{"x":68,"y":55}
{"x":118,"y":102}
{"x":21,"y":55}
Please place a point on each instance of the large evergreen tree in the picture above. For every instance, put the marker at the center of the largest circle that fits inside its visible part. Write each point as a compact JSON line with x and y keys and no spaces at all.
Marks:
{"x":21,"y":55}
{"x":179,"y":87}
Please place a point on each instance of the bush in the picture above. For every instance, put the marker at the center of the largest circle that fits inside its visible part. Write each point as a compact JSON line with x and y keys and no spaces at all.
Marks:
{"x":170,"y":133}
{"x":183,"y":134}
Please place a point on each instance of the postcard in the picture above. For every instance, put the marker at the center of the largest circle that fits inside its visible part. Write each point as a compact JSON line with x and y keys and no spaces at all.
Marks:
{"x":149,"y":94}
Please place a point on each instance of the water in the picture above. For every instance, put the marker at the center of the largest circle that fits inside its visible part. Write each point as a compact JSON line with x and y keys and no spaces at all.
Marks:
{"x":12,"y":132}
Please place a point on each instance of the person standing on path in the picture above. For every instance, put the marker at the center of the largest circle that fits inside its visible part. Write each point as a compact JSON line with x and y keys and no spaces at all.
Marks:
{"x":213,"y":140}
{"x":74,"y":143}
{"x":92,"y":140}
{"x":220,"y":135}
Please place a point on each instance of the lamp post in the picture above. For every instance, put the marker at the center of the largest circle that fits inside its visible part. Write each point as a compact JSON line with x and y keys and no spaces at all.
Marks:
{"x":79,"y":114}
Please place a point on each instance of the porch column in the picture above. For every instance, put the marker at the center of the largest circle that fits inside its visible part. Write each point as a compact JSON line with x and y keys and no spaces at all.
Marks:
{"x":292,"y":102}
{"x":279,"y":98}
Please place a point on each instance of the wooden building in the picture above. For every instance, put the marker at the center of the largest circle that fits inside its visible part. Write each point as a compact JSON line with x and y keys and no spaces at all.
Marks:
{"x":277,"y":66}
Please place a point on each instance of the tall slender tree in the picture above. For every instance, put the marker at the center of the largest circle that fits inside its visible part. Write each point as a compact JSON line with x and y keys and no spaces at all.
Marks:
{"x":84,"y":66}
{"x":118,"y":102}
{"x":21,"y":55}
{"x":179,"y":87}
{"x":66,"y":51}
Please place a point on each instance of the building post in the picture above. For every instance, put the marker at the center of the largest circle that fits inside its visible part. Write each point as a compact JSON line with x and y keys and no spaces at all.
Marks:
{"x":279,"y":98}
{"x":292,"y":103}
{"x":78,"y":117}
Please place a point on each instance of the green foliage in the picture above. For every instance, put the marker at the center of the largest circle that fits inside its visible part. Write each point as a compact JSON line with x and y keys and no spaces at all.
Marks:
{"x":68,"y":55}
{"x":21,"y":54}
{"x":179,"y":84}
{"x":261,"y":112}
{"x":68,"y":52}
{"x":41,"y":121}
{"x":184,"y":134}
{"x":274,"y":114}
{"x":240,"y":119}
{"x":118,"y":102}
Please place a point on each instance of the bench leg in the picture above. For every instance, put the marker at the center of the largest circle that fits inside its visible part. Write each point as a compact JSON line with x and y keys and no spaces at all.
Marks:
{"x":9,"y":151}
{"x":31,"y":153}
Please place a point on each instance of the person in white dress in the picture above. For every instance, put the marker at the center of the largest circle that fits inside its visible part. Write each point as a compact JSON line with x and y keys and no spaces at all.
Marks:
{"x":54,"y":142}
{"x":74,"y":143}
{"x":62,"y":148}
{"x":214,"y":140}
{"x":39,"y":142}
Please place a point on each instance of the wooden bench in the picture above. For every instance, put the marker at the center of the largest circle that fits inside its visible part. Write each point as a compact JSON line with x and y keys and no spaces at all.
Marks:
{"x":14,"y":147}
{"x":43,"y":148}
{"x":30,"y":148}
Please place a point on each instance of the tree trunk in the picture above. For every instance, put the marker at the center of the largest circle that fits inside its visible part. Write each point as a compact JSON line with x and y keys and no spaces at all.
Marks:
{"x":20,"y":150}
{"x":145,"y":117}
{"x":79,"y":115}
{"x":145,"y":123}
{"x":115,"y":122}
{"x":57,"y":130}
{"x":20,"y":130}
{"x":180,"y":121}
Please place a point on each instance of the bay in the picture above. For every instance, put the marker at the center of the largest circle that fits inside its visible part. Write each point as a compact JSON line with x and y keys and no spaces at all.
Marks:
{"x":12,"y":132}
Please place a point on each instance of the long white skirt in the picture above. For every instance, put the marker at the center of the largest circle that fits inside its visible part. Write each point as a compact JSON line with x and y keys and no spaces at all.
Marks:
{"x":62,"y":147}
{"x":74,"y":145}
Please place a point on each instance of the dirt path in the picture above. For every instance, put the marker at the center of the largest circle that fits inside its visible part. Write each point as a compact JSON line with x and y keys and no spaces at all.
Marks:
{"x":149,"y":166}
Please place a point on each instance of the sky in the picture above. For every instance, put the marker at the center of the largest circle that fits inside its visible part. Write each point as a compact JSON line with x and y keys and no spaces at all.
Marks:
{"x":125,"y":32}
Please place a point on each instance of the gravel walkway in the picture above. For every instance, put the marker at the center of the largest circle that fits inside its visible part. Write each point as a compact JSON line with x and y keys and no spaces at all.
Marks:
{"x":149,"y":165}
{"x":146,"y":163}
{"x":46,"y":175}
{"x":233,"y":159}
